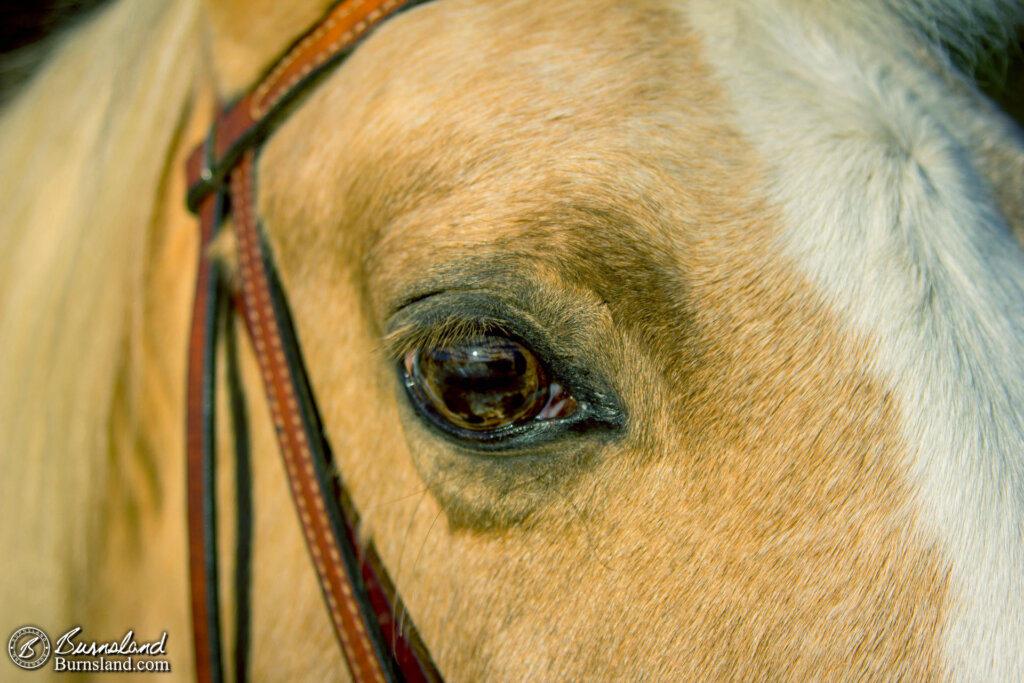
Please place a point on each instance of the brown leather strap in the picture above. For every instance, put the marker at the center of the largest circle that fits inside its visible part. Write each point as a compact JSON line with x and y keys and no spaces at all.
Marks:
{"x":307,"y":484}
{"x":243,"y":125}
{"x":358,"y":593}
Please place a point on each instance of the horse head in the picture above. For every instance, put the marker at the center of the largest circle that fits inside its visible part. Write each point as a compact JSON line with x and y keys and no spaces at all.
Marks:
{"x":652,"y":339}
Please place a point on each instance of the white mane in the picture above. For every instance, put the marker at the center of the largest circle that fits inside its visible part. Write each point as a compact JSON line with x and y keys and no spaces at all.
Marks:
{"x":85,"y":155}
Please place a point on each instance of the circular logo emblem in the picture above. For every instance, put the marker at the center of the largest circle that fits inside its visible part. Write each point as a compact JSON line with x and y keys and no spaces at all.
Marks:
{"x":29,"y":647}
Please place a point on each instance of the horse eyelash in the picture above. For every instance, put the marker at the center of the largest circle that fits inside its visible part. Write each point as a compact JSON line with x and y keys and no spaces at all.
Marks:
{"x":449,"y":332}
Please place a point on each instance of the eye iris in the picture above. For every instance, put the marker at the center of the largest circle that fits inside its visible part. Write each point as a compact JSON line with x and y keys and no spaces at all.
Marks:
{"x":482,"y":384}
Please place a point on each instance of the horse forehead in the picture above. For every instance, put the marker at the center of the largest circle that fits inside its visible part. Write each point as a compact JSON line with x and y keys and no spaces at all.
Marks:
{"x":456,"y":66}
{"x":490,"y":51}
{"x":461,"y":121}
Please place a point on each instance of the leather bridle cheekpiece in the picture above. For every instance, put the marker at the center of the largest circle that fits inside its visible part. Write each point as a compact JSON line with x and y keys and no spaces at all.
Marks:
{"x":222,"y":180}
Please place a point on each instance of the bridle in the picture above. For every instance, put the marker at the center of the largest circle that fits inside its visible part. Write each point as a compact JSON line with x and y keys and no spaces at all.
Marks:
{"x":360,"y":598}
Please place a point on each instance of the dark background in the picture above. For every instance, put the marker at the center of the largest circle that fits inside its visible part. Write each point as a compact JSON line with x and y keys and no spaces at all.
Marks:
{"x":23,"y":23}
{"x":26,"y":33}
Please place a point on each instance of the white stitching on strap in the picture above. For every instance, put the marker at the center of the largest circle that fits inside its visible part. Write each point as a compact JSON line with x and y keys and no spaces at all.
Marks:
{"x":258,"y":107}
{"x":261,"y":316}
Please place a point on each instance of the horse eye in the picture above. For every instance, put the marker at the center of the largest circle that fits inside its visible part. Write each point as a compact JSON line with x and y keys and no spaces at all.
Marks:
{"x":484,"y":384}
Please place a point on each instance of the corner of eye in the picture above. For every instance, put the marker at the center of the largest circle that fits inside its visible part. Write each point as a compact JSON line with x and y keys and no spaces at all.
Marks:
{"x":398,"y":342}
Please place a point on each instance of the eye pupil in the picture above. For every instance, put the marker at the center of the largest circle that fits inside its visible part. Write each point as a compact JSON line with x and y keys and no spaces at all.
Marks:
{"x":481,"y":384}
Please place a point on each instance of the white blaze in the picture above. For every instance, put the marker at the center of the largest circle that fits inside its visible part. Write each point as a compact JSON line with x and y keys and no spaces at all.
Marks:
{"x":869,"y":159}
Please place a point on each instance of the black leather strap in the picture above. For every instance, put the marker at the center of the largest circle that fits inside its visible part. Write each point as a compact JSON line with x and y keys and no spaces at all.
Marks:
{"x":243,"y":496}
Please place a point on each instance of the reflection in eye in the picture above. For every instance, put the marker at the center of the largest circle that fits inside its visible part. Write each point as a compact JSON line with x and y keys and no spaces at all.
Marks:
{"x":484,"y":384}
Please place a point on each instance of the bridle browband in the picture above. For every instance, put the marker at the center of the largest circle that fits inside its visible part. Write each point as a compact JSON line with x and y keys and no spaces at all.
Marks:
{"x":360,"y":598}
